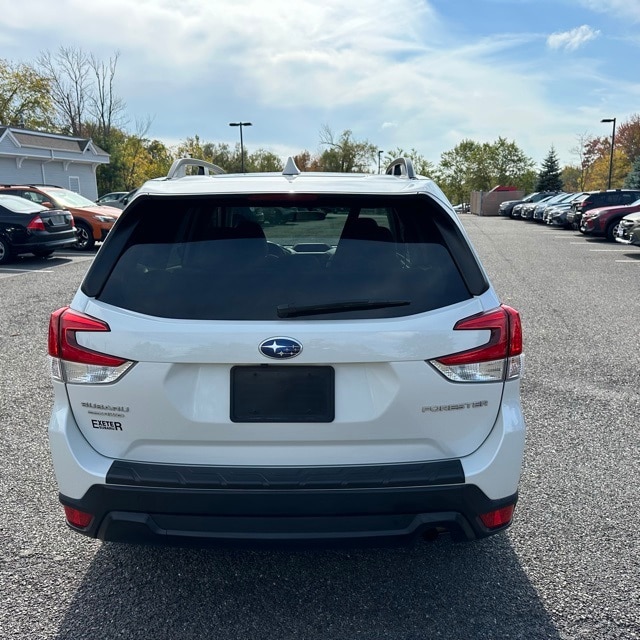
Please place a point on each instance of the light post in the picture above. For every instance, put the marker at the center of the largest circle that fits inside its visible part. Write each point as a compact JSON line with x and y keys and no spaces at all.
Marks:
{"x":613,"y":141}
{"x":241,"y":124}
{"x":380,"y":152}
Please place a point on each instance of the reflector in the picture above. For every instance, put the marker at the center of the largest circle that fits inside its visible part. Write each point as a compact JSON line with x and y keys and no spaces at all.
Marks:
{"x":77,"y":518}
{"x":498,"y":518}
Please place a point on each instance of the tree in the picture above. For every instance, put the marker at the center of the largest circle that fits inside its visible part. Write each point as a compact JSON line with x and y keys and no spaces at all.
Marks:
{"x":455,"y":171}
{"x":549,"y":177}
{"x":82,"y":92}
{"x":346,"y":155}
{"x":571,"y":178}
{"x":628,"y":137}
{"x":68,"y":73}
{"x":473,"y":166}
{"x":509,"y":165}
{"x":584,"y":151}
{"x":306,"y":162}
{"x":221,"y":155}
{"x":262,"y":161}
{"x":25,"y":97}
{"x":228,"y":158}
{"x":632,"y":181}
{"x":595,"y":156}
{"x":106,"y":107}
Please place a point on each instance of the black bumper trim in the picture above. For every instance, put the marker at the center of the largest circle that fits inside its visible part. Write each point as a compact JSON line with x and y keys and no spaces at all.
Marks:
{"x":139,"y":474}
{"x":303,"y":516}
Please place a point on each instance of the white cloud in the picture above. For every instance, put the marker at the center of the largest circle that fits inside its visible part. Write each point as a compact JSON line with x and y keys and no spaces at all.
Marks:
{"x":397,"y":75}
{"x":572,"y":40}
{"x":623,"y":9}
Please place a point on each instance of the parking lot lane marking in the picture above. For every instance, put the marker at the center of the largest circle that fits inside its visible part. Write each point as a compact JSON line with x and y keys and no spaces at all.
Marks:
{"x":629,"y":261}
{"x":610,"y":250}
{"x":20,"y":272}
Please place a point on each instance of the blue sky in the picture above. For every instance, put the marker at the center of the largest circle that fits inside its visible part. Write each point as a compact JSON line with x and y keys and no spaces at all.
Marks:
{"x":421,"y":74}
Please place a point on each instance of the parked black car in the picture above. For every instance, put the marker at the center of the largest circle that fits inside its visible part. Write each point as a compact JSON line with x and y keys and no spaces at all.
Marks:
{"x":609,"y":198}
{"x":506,"y":208}
{"x":27,"y":227}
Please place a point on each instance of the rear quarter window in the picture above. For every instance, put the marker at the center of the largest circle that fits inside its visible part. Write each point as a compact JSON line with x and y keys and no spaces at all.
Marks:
{"x":258,"y":259}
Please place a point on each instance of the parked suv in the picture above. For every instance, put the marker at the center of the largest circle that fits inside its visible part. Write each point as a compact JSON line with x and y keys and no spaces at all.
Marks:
{"x":349,"y":377}
{"x":92,"y":221}
{"x":605,"y":221}
{"x":610,"y":198}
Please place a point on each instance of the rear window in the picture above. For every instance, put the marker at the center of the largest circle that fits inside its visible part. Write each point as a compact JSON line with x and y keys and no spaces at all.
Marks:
{"x":19,"y":205}
{"x":257,"y":259}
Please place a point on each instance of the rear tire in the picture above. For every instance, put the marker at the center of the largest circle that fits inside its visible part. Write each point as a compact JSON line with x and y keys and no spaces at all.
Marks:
{"x":85,"y":240}
{"x":6,"y":252}
{"x":43,"y":253}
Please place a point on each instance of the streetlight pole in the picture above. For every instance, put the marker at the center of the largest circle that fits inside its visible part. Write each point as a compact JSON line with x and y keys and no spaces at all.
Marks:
{"x":380,"y":152}
{"x":241,"y":124}
{"x":613,"y":141}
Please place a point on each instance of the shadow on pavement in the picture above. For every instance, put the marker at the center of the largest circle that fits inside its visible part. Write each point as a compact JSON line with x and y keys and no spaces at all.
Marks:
{"x":442,"y":590}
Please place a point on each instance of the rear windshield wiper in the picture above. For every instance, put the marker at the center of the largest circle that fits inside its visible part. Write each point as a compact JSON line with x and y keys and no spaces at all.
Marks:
{"x":292,"y":311}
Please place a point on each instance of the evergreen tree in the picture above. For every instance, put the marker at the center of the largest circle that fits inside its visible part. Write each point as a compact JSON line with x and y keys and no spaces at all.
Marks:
{"x":549,"y":177}
{"x":632,"y":181}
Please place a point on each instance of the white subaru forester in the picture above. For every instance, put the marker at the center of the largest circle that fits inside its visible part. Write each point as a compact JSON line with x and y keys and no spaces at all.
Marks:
{"x":289,"y":358}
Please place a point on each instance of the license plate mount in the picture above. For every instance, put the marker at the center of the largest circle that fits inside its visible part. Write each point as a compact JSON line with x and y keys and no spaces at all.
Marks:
{"x":275,"y":393}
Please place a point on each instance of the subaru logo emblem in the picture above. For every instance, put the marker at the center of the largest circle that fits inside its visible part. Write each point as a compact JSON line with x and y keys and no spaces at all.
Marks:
{"x":280,"y":348}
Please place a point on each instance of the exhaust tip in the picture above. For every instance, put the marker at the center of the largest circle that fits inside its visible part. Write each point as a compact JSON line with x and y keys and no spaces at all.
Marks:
{"x":431,"y":535}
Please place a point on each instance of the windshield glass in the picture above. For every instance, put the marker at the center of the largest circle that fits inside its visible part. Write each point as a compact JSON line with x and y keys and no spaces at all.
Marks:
{"x":68,"y":198}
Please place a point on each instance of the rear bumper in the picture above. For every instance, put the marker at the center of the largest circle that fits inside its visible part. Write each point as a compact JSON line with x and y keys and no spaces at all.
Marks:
{"x":273,"y":515}
{"x":387,"y":503}
{"x":35,"y":243}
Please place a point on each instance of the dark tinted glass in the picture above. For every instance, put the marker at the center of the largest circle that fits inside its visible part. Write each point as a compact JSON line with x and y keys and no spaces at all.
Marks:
{"x":204,"y":258}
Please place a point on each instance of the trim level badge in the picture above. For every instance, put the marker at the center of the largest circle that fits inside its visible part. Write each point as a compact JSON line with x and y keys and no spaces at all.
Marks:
{"x":280,"y":348}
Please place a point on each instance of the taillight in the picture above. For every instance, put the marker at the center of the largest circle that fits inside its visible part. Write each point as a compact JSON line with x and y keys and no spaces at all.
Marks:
{"x":70,"y":361}
{"x":500,"y":358}
{"x":36,"y":224}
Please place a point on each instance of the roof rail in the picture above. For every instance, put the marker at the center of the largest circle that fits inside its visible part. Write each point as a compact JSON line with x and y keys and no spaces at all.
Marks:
{"x":178,"y":168}
{"x":401,"y":167}
{"x":45,"y":184}
{"x":31,"y":184}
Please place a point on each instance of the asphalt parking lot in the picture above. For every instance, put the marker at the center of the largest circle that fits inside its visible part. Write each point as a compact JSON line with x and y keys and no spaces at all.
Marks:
{"x":568,"y":568}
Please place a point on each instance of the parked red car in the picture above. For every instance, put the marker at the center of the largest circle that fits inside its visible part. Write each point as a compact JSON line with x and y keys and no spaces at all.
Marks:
{"x":605,"y":221}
